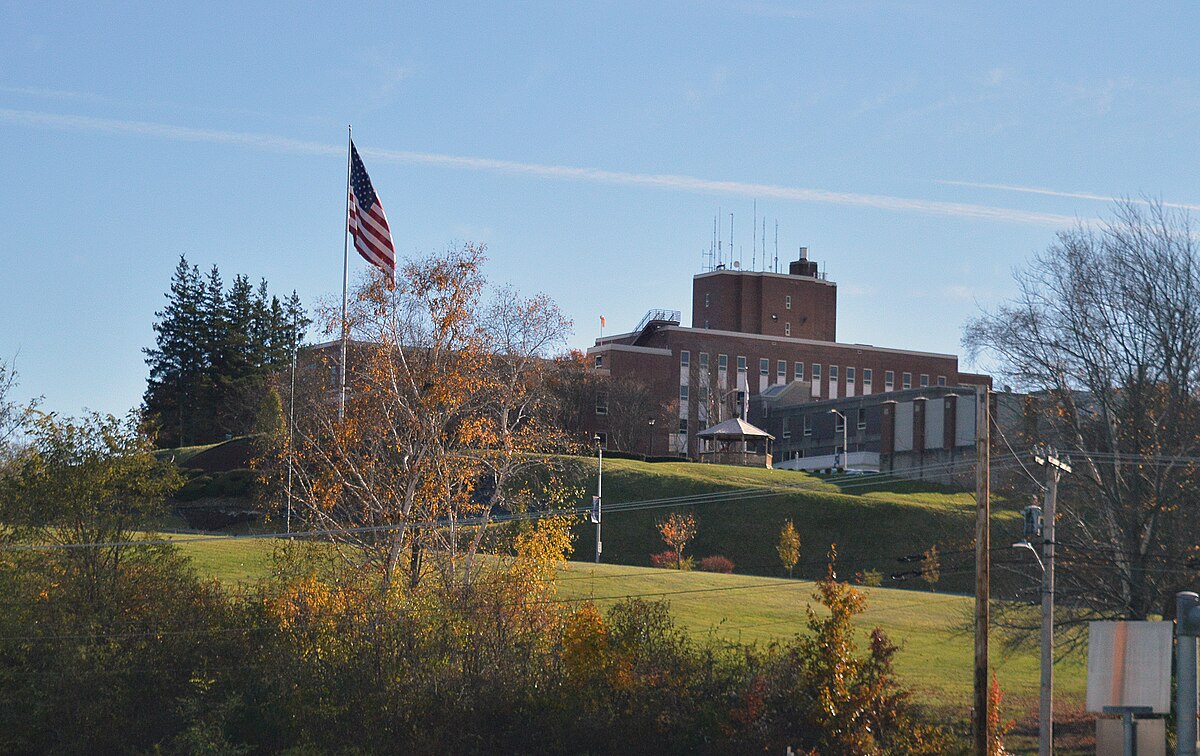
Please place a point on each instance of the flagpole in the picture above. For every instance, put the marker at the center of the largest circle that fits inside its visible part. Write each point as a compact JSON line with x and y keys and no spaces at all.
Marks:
{"x":345,"y":276}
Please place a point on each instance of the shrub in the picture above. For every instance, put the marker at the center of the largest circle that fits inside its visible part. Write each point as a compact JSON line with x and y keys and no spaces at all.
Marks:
{"x":665,"y":560}
{"x":716,"y":563}
{"x":870,"y":578}
{"x":669,"y":560}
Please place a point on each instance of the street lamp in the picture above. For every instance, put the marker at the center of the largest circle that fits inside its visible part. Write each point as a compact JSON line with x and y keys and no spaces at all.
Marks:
{"x":650,"y":422}
{"x":596,"y":505}
{"x":845,"y":447}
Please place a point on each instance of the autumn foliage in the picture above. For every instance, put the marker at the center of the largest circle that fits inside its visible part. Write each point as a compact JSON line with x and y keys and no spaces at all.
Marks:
{"x":677,"y":530}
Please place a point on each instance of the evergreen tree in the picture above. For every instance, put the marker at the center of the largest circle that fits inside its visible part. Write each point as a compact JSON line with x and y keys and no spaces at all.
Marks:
{"x":173,"y":391}
{"x":217,"y":356}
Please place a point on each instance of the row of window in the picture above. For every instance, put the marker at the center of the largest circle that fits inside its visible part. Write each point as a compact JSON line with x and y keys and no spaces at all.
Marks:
{"x":787,"y":300}
{"x":781,"y":371}
{"x":857,"y":418}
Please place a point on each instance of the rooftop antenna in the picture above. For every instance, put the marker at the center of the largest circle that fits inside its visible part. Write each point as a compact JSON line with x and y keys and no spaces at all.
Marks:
{"x":720,"y":241}
{"x":731,"y":260}
{"x":764,"y":243}
{"x":754,"y":238}
{"x":712,"y":249}
{"x":776,"y":245}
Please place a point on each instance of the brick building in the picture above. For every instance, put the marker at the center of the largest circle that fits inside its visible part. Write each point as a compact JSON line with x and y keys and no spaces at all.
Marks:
{"x":751,"y":331}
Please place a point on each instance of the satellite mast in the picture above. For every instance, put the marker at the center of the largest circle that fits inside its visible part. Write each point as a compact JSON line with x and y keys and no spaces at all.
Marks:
{"x":776,"y":245}
{"x":754,"y":237}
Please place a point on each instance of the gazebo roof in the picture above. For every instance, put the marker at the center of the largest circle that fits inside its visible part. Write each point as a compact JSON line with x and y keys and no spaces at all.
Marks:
{"x":734,"y":427}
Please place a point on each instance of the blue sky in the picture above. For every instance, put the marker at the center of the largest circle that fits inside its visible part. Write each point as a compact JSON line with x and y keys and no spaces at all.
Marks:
{"x":920,"y":150}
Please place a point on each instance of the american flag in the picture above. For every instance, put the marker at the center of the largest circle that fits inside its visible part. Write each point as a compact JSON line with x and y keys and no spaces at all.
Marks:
{"x":368,"y":224}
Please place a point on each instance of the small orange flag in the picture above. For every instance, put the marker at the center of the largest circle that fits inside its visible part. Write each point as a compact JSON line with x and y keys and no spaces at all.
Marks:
{"x":601,"y":321}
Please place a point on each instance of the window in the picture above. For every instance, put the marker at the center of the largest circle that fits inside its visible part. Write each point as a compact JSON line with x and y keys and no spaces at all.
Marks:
{"x":603,"y":439}
{"x":704,"y":361}
{"x":787,"y":302}
{"x":683,"y":393}
{"x":867,"y":374}
{"x":798,"y":375}
{"x":787,"y":329}
{"x":850,"y":376}
{"x":816,"y":372}
{"x":781,"y":371}
{"x":839,"y":423}
{"x":764,"y":366}
{"x":924,"y":380}
{"x":601,"y":403}
{"x":833,"y":373}
{"x":741,"y":402}
{"x":889,"y":380}
{"x":741,"y":364}
{"x":685,"y":358}
{"x":683,"y":425}
{"x":906,"y":381}
{"x":599,"y":360}
{"x":702,"y":394}
{"x":707,"y":298}
{"x":941,"y":380}
{"x":862,"y":419}
{"x":787,"y":431}
{"x":807,"y":425}
{"x":722,"y":362}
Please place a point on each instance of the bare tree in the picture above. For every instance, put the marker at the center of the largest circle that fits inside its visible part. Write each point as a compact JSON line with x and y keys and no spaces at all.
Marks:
{"x":14,"y":416}
{"x":1104,"y":332}
{"x":631,"y":407}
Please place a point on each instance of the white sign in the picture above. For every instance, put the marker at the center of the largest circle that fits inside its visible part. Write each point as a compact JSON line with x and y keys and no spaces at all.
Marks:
{"x":1129,"y":664}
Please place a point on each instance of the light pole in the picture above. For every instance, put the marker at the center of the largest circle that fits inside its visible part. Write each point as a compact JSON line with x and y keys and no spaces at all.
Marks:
{"x":845,"y":448}
{"x":1054,"y":467}
{"x":597,"y":507}
{"x":650,"y":422}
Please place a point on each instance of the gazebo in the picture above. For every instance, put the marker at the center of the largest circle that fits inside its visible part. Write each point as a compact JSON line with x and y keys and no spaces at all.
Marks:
{"x":736,"y":442}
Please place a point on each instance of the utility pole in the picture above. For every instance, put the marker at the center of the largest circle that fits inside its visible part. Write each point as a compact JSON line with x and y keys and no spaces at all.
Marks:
{"x":597,"y":506}
{"x":982,"y":564}
{"x":1054,"y":467}
{"x":1187,"y":627}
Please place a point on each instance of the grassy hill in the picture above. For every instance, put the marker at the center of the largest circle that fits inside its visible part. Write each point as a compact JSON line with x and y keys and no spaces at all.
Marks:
{"x":874,"y":520}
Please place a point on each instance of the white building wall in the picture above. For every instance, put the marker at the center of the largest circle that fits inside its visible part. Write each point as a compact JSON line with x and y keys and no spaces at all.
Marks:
{"x":903,"y":440}
{"x":935,"y":422}
{"x":964,"y":427}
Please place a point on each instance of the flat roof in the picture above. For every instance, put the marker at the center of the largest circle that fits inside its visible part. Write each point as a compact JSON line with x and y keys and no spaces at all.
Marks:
{"x":611,"y":341}
{"x":764,"y":273}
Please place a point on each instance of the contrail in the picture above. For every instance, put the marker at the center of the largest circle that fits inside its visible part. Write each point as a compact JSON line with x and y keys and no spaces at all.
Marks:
{"x":1070,"y":195}
{"x":562,"y":172}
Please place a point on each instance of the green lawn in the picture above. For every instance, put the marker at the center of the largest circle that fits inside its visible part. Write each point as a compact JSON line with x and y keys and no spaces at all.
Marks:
{"x":873,"y":522}
{"x":231,"y":561}
{"x":936,"y":657}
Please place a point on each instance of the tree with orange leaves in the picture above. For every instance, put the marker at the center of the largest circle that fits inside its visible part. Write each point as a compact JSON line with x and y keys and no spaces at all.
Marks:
{"x":444,"y":418}
{"x":676,"y":531}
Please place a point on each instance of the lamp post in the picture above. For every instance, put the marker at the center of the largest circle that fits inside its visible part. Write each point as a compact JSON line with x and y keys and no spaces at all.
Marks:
{"x":650,"y":423}
{"x":845,"y":447}
{"x":597,"y":506}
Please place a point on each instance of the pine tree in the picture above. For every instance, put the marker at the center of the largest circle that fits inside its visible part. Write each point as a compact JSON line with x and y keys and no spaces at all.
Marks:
{"x":217,"y":355}
{"x":174,"y":388}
